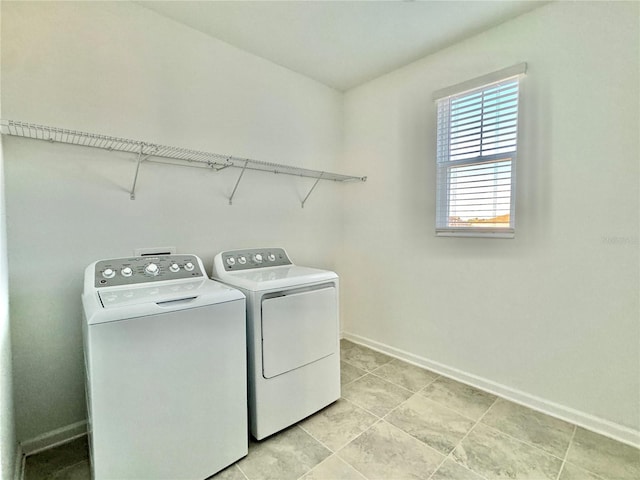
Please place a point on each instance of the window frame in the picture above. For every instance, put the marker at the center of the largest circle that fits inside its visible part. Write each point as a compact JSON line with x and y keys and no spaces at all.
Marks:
{"x":443,"y":150}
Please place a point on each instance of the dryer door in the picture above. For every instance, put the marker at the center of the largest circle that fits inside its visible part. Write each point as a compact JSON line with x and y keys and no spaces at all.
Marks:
{"x":298,"y":328}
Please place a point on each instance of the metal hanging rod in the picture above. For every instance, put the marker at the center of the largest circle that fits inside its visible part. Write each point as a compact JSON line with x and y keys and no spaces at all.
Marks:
{"x":146,"y":150}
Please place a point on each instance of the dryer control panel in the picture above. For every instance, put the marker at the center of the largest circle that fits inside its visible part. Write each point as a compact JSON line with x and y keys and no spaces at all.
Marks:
{"x":254,"y":258}
{"x":135,"y":270}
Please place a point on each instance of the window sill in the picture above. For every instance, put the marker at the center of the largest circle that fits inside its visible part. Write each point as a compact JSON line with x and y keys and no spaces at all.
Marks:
{"x":476,"y":233}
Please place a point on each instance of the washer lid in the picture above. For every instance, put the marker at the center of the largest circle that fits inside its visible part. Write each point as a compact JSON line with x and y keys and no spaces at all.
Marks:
{"x":275,"y":277}
{"x":120,"y":303}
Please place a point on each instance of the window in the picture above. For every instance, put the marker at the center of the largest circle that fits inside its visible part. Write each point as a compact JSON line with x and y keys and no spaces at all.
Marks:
{"x":476,"y":156}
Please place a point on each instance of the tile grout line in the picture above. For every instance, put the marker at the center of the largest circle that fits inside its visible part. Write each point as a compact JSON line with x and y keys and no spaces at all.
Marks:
{"x":241,"y":471}
{"x":466,"y":435}
{"x":314,"y":467}
{"x":353,"y":440}
{"x":566,"y":456}
{"x":372,"y":372}
{"x":402,"y":386}
{"x":317,"y":440}
{"x":365,"y":369}
{"x":566,"y":453}
{"x":524,"y":442}
{"x":362,"y":407}
{"x":366,"y":372}
{"x":412,"y":436}
{"x":447,"y":407}
{"x":378,"y":419}
{"x":519,"y":440}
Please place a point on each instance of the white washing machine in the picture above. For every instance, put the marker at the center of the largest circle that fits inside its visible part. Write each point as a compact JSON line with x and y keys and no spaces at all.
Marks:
{"x":164,"y":350}
{"x":292,"y":335}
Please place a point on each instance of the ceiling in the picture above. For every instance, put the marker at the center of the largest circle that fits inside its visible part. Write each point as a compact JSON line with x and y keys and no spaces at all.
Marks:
{"x":341,"y":43}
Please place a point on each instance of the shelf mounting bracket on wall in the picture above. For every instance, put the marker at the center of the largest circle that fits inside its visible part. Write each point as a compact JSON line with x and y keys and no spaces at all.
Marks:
{"x":314,"y":186}
{"x":246,"y":162}
{"x":141,"y":159}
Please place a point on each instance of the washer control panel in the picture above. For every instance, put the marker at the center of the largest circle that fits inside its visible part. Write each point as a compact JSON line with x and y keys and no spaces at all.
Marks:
{"x":254,"y":258}
{"x":134,"y":270}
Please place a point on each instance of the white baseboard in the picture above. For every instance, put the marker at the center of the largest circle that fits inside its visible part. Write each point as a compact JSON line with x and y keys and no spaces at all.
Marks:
{"x":590,"y":422}
{"x":53,"y":438}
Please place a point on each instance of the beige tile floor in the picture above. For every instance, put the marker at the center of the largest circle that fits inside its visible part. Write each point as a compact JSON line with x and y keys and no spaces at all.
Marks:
{"x":397,"y":421}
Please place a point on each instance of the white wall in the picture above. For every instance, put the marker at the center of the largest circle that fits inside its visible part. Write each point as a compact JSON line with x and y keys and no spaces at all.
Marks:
{"x":550,"y":318}
{"x":119,"y":69}
{"x":8,"y":441}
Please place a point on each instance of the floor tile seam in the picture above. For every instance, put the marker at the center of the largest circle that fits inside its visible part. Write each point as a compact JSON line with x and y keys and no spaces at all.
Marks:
{"x":394,"y":409}
{"x":393,"y":426}
{"x":354,"y":380}
{"x":317,"y":440}
{"x":419,"y":441}
{"x":544,"y":452}
{"x":497,"y":429}
{"x":384,"y":417}
{"x":412,"y":391}
{"x":392,"y":359}
{"x":375,"y":352}
{"x":352,"y":466}
{"x":392,"y":383}
{"x":333,"y":454}
{"x":337,"y":453}
{"x":356,"y":366}
{"x":477,"y":422}
{"x":446,"y":455}
{"x":362,"y":407}
{"x":386,"y":381}
{"x":358,"y":405}
{"x":541,"y":416}
{"x":395,"y":359}
{"x":471,"y":430}
{"x":447,"y":407}
{"x":444,"y":405}
{"x":438,"y":467}
{"x":566,"y":453}
{"x":242,"y":471}
{"x":450,"y":457}
{"x":314,"y":467}
{"x":582,"y":467}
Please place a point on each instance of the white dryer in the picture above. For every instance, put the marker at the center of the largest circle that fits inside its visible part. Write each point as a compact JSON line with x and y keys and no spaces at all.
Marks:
{"x":292,"y":335}
{"x":164,"y":351}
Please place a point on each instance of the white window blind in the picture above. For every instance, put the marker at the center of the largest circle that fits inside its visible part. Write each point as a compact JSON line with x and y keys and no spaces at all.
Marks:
{"x":476,"y":156}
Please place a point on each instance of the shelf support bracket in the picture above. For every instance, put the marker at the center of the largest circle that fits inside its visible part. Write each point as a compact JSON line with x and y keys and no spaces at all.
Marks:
{"x":246,"y":162}
{"x":141,"y":159}
{"x":314,"y":186}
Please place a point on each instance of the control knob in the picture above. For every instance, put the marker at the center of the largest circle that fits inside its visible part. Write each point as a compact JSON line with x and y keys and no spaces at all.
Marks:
{"x":174,"y":267}
{"x":108,"y":273}
{"x":152,"y":269}
{"x":126,"y":272}
{"x":242,"y":260}
{"x":188,"y":266}
{"x":231,"y":261}
{"x":257,"y":258}
{"x":271,"y":257}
